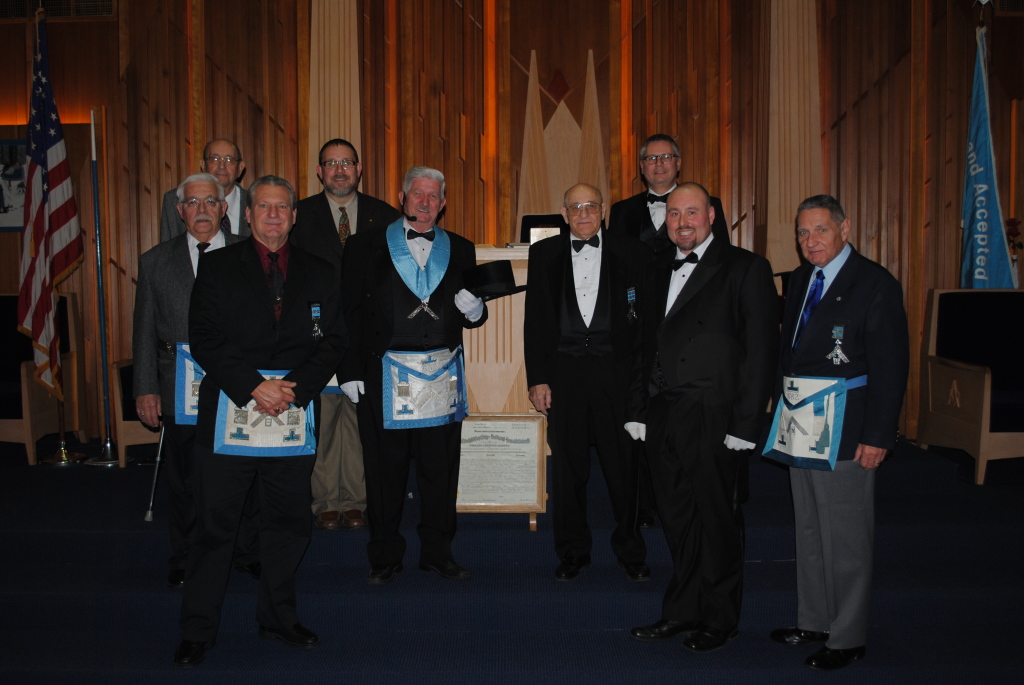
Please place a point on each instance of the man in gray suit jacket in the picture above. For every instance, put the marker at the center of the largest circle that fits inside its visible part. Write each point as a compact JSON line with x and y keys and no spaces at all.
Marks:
{"x":166,"y":275}
{"x":223,"y":160}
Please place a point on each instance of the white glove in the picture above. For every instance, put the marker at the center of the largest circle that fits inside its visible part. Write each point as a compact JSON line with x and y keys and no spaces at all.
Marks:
{"x":352,"y":390}
{"x":637,"y":431}
{"x":737,"y":444}
{"x":471,"y":306}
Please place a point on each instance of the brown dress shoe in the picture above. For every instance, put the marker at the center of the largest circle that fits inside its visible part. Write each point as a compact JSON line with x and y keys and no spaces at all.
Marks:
{"x":327,"y":520}
{"x":352,"y":519}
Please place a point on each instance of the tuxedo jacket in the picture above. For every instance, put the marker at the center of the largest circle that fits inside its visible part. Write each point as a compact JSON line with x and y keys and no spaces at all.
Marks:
{"x":867,"y":301}
{"x":233,"y":331}
{"x":317,"y":232}
{"x":623,"y":260}
{"x":172,"y":225}
{"x":631,"y":216}
{"x":718,"y":341}
{"x":368,"y":281}
{"x":161,"y":315}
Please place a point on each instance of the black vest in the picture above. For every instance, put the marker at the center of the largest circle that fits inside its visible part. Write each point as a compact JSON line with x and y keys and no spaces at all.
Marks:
{"x":421,"y":332}
{"x":577,"y":339}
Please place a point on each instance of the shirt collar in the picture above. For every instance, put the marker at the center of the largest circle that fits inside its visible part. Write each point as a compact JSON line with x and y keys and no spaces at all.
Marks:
{"x":216,"y":241}
{"x":832,"y":268}
{"x":700,"y":249}
{"x":336,"y":206}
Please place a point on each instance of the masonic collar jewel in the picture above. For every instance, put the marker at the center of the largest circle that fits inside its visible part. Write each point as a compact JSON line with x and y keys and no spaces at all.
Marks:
{"x":836,"y":355}
{"x":423,"y":308}
{"x":631,"y":299}
{"x":314,"y":311}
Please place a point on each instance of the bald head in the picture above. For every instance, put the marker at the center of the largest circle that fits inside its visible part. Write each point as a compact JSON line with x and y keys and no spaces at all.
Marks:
{"x":583,"y":210}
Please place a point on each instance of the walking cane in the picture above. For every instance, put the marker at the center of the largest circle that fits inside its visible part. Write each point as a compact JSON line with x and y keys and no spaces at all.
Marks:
{"x":156,"y":472}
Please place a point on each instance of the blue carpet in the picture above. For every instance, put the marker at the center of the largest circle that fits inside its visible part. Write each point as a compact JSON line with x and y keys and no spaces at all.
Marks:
{"x":83,"y":599}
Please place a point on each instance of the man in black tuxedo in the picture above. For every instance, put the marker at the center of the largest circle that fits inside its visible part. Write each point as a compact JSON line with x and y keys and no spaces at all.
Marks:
{"x":848,"y":322}
{"x":259,"y":305}
{"x":581,"y":344}
{"x":710,"y":350}
{"x":166,"y":275}
{"x":406,"y":310}
{"x":223,"y":160}
{"x":323,"y":225}
{"x":643,"y":215}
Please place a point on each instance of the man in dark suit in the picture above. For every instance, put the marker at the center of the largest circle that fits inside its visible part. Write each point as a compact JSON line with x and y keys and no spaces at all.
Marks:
{"x":223,"y":160}
{"x":166,"y":275}
{"x":643,"y":215}
{"x":709,"y":356}
{"x":323,"y":225}
{"x":581,"y":342}
{"x":848,"y":322}
{"x":261,"y":305}
{"x":407,"y":309}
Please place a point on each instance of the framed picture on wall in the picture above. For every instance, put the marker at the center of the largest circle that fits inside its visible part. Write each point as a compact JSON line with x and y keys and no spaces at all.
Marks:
{"x":12,"y":185}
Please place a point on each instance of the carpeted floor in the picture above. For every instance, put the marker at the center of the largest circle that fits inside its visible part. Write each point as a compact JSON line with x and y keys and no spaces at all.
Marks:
{"x":83,"y":599}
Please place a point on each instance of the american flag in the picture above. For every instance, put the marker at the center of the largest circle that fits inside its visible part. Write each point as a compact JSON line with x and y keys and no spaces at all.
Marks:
{"x":52,"y":241}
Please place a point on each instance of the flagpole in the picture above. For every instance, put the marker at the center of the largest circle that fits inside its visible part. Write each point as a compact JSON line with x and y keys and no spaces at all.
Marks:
{"x":108,"y":454}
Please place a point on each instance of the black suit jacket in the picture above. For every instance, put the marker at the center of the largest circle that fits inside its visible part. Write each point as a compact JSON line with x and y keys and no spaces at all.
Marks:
{"x":233,"y":331}
{"x":718,"y":342}
{"x":631,"y":216}
{"x":367,"y":273}
{"x":867,"y":302}
{"x":316,"y":231}
{"x":625,"y":260}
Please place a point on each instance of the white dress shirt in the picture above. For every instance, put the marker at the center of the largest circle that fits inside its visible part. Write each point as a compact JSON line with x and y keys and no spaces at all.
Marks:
{"x":657,"y":209}
{"x":586,"y":276}
{"x":216,"y":242}
{"x":419,"y":247}
{"x":680,"y":275}
{"x":233,"y":212}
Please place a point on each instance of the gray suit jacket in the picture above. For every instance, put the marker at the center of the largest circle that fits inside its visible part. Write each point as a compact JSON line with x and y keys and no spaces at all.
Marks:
{"x":161,"y":314}
{"x":171,"y":224}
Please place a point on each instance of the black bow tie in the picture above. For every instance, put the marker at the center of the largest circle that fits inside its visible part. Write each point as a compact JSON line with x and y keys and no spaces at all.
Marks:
{"x":593,"y":241}
{"x":688,"y":259}
{"x":410,"y":234}
{"x":651,"y":198}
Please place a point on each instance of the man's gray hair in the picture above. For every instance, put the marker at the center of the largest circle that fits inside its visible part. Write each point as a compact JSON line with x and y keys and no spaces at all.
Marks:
{"x":659,"y":138}
{"x":271,"y":180}
{"x":823,"y":202}
{"x":199,"y":178}
{"x":422,"y":172}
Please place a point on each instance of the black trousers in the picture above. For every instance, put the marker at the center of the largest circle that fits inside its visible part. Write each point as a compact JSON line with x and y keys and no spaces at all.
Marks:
{"x":695,"y":482}
{"x":284,"y":528}
{"x":587,"y":408}
{"x":386,"y":457}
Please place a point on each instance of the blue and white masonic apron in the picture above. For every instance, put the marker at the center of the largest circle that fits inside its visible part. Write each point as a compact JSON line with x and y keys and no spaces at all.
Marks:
{"x":246,"y":432}
{"x":188,"y":375}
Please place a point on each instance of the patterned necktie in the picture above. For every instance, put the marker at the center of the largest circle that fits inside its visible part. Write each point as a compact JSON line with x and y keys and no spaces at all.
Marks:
{"x":344,"y":229}
{"x":275,"y":279}
{"x":688,"y":259}
{"x":813,"y":298}
{"x":225,"y":224}
{"x":593,"y":241}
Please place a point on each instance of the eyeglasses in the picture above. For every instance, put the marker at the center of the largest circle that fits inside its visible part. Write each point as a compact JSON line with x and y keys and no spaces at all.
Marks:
{"x":207,"y":202}
{"x":583,"y":208}
{"x":331,"y":163}
{"x":651,"y":160}
{"x":217,"y":159}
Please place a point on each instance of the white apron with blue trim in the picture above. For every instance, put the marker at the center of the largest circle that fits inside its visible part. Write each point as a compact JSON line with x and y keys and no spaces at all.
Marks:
{"x":246,"y":432}
{"x":423,"y":389}
{"x":188,"y":375}
{"x":807,"y":429}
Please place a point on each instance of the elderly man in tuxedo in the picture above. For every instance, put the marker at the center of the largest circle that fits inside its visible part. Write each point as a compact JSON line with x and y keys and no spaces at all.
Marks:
{"x":581,"y":343}
{"x":223,"y":160}
{"x":406,"y":309}
{"x":265,"y":323}
{"x":710,"y":350}
{"x":166,"y":275}
{"x":323,"y":225}
{"x":844,"y":319}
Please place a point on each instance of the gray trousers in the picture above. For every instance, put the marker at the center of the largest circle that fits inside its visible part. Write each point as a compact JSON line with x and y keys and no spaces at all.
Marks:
{"x":338,"y":483}
{"x":835,"y":532}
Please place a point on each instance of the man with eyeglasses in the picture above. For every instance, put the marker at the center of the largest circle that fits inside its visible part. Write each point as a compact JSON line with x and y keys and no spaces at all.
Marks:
{"x":166,"y":275}
{"x":581,"y":342}
{"x":223,"y":160}
{"x":324,"y":223}
{"x":643,"y":215}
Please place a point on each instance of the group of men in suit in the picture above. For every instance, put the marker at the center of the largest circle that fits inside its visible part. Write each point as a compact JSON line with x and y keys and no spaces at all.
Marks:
{"x":659,"y":329}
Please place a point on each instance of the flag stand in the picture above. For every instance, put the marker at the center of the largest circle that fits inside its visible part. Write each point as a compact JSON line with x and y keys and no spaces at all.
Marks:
{"x":63,"y":457}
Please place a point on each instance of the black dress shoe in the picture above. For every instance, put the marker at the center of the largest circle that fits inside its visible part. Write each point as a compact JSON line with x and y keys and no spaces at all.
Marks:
{"x":296,"y":636}
{"x":383,"y":573}
{"x":189,"y":653}
{"x":571,"y":567}
{"x":636,"y":572}
{"x":254,"y":569}
{"x":176,"y":578}
{"x":665,"y":629}
{"x":447,"y":569}
{"x":709,"y":639}
{"x":826,"y":659}
{"x":797,"y":636}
